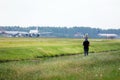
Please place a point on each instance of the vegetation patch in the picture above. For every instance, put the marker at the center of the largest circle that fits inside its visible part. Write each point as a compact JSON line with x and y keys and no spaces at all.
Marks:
{"x":32,"y":48}
{"x":30,"y":59}
{"x":96,"y":66}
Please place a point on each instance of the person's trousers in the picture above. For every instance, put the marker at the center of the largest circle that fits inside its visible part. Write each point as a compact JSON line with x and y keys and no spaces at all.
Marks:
{"x":86,"y":51}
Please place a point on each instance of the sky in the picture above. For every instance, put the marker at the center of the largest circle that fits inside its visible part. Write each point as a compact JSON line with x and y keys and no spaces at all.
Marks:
{"x":103,"y":14}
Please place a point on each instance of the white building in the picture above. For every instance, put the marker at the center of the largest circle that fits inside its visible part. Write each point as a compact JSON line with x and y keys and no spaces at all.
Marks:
{"x":111,"y":36}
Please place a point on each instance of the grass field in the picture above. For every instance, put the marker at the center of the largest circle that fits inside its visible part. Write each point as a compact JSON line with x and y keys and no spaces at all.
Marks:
{"x":32,"y":48}
{"x":44,"y":59}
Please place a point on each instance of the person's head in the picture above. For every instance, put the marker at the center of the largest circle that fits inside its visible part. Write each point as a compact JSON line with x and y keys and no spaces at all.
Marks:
{"x":86,"y":37}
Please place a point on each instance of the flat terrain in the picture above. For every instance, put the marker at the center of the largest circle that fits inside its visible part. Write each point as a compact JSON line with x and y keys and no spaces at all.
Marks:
{"x":32,"y":48}
{"x":54,"y":59}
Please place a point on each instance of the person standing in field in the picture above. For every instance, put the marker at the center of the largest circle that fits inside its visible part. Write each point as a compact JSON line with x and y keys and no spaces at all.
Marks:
{"x":86,"y":44}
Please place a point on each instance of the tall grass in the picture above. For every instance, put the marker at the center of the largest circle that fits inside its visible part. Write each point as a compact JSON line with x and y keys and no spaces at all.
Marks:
{"x":100,"y":66}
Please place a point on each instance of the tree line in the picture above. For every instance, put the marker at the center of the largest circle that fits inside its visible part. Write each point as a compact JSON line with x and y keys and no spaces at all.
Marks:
{"x":64,"y":32}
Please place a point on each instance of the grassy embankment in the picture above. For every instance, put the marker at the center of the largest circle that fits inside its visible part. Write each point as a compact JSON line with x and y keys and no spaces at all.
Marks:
{"x":31,"y":48}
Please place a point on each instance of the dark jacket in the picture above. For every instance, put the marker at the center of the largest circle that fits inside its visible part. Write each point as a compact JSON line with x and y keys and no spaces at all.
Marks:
{"x":86,"y":44}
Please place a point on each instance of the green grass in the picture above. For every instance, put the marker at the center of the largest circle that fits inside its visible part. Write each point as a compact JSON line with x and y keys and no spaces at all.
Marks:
{"x":32,"y":48}
{"x":96,"y":66}
{"x":34,"y":59}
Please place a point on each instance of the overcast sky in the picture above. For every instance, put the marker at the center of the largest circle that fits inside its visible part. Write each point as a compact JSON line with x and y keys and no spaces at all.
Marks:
{"x":91,"y":13}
